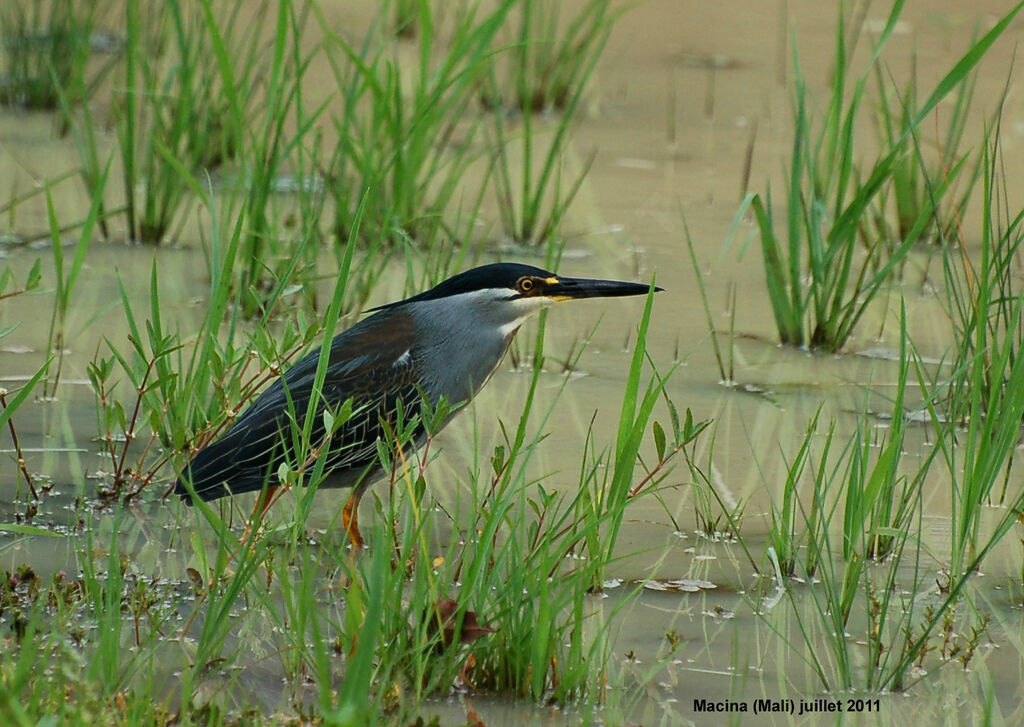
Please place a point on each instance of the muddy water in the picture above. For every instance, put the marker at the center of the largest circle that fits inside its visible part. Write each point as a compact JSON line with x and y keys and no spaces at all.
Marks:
{"x":681,"y":91}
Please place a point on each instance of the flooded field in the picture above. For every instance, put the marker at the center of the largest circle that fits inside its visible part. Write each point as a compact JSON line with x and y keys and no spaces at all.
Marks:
{"x":831,"y":538}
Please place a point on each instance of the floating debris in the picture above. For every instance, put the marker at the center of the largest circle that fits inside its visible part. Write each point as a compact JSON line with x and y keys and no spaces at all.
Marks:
{"x":720,"y":612}
{"x":678,"y":585}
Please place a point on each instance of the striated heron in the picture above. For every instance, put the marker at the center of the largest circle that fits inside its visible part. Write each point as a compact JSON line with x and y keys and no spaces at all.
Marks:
{"x":442,"y":344}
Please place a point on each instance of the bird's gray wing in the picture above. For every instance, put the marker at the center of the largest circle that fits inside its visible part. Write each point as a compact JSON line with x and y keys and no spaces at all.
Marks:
{"x":373,"y":363}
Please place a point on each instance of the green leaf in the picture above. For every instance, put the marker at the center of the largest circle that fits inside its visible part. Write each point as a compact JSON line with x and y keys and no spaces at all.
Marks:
{"x":659,"y":439}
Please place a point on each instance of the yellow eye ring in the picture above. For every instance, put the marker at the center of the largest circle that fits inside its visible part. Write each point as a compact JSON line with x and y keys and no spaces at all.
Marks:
{"x":525,"y":285}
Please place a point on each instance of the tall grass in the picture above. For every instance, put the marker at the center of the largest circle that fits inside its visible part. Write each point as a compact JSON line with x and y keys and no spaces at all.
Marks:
{"x":532,"y":203}
{"x":46,"y":45}
{"x":983,"y":294}
{"x":984,"y":387}
{"x":927,"y":196}
{"x":551,"y":58}
{"x":139,"y":114}
{"x":275,"y":142}
{"x":406,"y":136}
{"x":48,"y":53}
{"x":978,"y":462}
{"x":857,"y":527}
{"x":66,"y":276}
{"x":546,"y":72}
{"x":193,"y":76}
{"x":817,"y":288}
{"x":878,"y":579}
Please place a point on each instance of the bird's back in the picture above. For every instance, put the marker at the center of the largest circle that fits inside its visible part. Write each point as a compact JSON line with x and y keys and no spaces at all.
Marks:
{"x":433,"y":348}
{"x":373,"y":363}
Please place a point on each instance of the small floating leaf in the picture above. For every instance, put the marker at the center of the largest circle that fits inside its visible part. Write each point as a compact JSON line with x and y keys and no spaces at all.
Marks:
{"x":678,"y":585}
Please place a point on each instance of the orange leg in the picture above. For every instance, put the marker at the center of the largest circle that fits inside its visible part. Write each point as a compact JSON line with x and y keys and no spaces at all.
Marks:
{"x":350,"y":520}
{"x":464,"y":675}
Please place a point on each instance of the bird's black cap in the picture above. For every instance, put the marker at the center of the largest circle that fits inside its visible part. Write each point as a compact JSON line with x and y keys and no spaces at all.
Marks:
{"x":495,"y":275}
{"x":507,"y":275}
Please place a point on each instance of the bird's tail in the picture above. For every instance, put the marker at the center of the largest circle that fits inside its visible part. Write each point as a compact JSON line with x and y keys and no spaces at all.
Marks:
{"x":214,"y":473}
{"x":207,"y":493}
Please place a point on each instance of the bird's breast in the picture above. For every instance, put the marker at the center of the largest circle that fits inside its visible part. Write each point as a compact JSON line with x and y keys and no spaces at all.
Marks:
{"x":456,"y":371}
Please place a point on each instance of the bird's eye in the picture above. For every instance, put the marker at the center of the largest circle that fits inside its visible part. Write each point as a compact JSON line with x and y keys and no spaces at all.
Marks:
{"x":525,"y":285}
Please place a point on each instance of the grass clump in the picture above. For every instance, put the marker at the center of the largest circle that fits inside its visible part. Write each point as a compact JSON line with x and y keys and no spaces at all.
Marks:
{"x":193,"y":76}
{"x":879,"y":498}
{"x":984,"y":390}
{"x":276,"y":199}
{"x":405,"y":136}
{"x":856,"y":581}
{"x":46,"y":45}
{"x":532,"y":202}
{"x":927,"y":197}
{"x":982,"y":296}
{"x":547,"y":72}
{"x":878,"y":580}
{"x":817,"y":288}
{"x":550,"y":61}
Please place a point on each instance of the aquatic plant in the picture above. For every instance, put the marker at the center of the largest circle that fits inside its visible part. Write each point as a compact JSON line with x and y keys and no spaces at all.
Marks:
{"x":532,"y":206}
{"x":46,"y":45}
{"x":982,"y":295}
{"x":405,"y":136}
{"x":546,"y":72}
{"x":818,"y":292}
{"x":552,"y":56}
{"x":877,"y":578}
{"x":186,"y":106}
{"x":927,"y":196}
{"x":65,"y":279}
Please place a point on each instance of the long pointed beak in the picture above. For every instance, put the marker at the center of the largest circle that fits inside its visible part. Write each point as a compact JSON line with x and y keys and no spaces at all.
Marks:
{"x":572,"y":288}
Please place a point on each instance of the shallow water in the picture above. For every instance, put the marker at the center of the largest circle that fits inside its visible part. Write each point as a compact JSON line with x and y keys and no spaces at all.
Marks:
{"x":679,"y":92}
